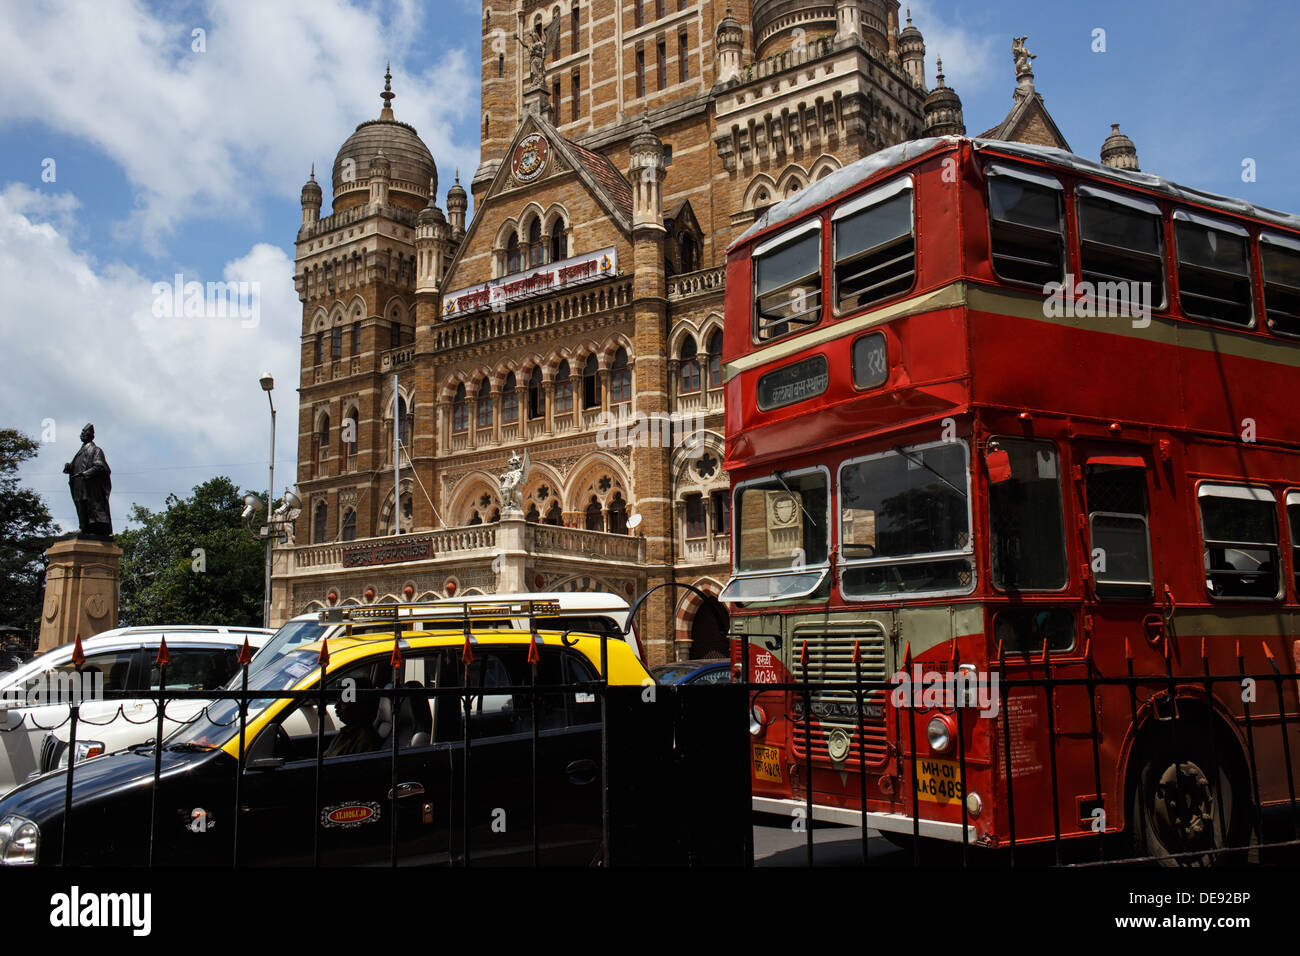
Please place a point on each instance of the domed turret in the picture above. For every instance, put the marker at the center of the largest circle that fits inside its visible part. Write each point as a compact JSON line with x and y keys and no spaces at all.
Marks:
{"x":433,"y":247}
{"x":311,"y":199}
{"x":1118,"y":151}
{"x":647,"y":168}
{"x":942,"y":109}
{"x":410,"y":164}
{"x":912,"y":48}
{"x":457,"y":205}
{"x":729,"y":40}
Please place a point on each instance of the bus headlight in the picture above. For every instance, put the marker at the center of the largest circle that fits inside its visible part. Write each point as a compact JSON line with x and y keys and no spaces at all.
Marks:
{"x":940,"y":733}
{"x":757,"y":721}
{"x":18,"y":841}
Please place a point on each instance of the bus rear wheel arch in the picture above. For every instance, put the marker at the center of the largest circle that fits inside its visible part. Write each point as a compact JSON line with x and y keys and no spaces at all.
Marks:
{"x":1188,"y":792}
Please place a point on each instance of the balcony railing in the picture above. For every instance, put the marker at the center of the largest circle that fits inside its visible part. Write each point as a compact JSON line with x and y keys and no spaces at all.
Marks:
{"x":578,"y":542}
{"x":393,"y":359}
{"x":700,"y":282}
{"x":708,"y":549}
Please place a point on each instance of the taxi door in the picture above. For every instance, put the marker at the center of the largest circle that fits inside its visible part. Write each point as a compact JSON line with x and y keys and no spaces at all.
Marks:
{"x":360,"y":791}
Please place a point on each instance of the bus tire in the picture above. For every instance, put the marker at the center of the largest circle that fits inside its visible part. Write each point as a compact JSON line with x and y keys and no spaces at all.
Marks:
{"x":1178,"y":814}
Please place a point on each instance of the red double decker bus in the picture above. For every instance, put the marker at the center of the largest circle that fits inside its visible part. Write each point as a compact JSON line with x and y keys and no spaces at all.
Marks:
{"x":1012,"y":439}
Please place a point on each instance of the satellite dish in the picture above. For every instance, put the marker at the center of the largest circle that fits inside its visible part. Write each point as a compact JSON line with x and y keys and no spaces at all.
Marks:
{"x":633,"y":521}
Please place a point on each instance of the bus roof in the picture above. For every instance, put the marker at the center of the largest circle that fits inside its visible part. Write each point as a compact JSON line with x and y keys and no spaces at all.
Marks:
{"x":845,"y":178}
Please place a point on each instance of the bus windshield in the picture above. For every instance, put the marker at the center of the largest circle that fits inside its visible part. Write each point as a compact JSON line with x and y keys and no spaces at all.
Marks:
{"x":781,"y":525}
{"x":905,"y":521}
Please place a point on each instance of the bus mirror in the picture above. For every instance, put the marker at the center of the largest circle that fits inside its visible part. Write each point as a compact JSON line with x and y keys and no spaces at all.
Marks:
{"x":998,"y":463}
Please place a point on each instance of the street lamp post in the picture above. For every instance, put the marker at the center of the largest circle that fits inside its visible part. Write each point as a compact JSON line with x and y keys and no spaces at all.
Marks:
{"x":268,"y":383}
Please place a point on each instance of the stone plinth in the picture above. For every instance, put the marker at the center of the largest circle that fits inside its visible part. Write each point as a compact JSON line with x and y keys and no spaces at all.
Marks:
{"x":511,"y":563}
{"x":80,"y":590}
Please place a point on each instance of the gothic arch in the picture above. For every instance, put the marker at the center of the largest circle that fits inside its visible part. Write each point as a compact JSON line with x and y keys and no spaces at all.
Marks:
{"x":356,"y":309}
{"x":793,"y":178}
{"x":465,"y":496}
{"x":612,"y":344}
{"x":386,"y":509}
{"x":686,"y":476}
{"x":586,"y":478}
{"x":686,"y":637}
{"x":824,"y":166}
{"x":713,"y":322}
{"x":581,"y":583}
{"x":319,"y":321}
{"x":684,"y":328}
{"x":754,"y":193}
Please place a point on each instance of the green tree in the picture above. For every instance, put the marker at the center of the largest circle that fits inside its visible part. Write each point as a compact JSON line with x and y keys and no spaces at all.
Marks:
{"x":193,"y":562}
{"x":26,"y":530}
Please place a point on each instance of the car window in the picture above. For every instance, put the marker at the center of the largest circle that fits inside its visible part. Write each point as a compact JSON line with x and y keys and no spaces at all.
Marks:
{"x":358,"y":725}
{"x":105,"y":671}
{"x":195,"y":668}
{"x":503,"y":713}
{"x":721,"y":675}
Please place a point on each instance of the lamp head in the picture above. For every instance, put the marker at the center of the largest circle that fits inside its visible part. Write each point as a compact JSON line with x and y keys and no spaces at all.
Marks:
{"x":267,"y":381}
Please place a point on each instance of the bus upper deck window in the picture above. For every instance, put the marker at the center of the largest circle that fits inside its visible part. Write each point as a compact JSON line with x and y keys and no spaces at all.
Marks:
{"x":1239,"y":530}
{"x":1280,"y":257}
{"x":874,"y":248}
{"x":1121,"y":241}
{"x":1119,"y":537}
{"x":1026,"y":519}
{"x":1026,"y":225}
{"x":787,"y":282}
{"x":1213,"y":269}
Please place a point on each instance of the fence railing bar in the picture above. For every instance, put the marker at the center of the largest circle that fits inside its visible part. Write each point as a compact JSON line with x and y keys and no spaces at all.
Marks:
{"x":1051,"y":749}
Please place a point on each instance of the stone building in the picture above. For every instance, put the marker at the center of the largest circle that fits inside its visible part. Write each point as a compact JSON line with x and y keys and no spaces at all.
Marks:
{"x":624,"y":144}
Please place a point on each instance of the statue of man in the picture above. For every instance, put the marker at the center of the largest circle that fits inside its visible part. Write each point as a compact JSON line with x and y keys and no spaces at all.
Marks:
{"x":91,"y":486}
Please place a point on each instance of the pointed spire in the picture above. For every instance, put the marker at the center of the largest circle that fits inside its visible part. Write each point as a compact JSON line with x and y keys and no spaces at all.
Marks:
{"x":388,"y":94}
{"x":909,"y":15}
{"x":939,"y":67}
{"x":313,"y":172}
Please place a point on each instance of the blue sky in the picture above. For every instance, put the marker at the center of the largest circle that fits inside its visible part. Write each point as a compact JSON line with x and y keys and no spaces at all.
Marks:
{"x":168,"y":159}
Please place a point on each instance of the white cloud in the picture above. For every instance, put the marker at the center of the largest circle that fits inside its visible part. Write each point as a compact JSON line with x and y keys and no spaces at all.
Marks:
{"x":174,"y":400}
{"x":279,"y":86}
{"x":973,"y":58}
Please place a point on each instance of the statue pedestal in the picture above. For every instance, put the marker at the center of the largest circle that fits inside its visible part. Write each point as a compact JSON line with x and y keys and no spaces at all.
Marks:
{"x":80,"y":590}
{"x":511,"y":562}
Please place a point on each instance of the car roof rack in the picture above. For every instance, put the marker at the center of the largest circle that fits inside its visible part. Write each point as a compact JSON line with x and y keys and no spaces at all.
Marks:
{"x":464,"y":613}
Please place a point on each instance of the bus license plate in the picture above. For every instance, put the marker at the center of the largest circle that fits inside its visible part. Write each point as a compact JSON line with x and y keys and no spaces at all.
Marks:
{"x":938,"y":781}
{"x":767,"y":763}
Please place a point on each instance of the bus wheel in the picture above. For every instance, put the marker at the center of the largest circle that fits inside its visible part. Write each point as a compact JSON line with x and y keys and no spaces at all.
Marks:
{"x":1180,"y":815}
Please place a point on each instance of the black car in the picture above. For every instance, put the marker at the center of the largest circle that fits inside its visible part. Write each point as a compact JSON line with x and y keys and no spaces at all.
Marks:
{"x":280,"y":820}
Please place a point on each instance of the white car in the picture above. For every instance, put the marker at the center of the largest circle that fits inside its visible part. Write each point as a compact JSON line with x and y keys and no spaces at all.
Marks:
{"x":35,"y":699}
{"x":588,"y":611}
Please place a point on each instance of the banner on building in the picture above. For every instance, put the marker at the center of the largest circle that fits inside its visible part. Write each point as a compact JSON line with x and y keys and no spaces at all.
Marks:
{"x":498,"y":294}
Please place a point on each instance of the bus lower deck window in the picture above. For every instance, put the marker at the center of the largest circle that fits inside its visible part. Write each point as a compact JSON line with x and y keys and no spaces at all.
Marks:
{"x":1026,"y":520}
{"x":1239,"y":530}
{"x":1026,"y":228}
{"x":1213,"y":269}
{"x":1119,"y":538}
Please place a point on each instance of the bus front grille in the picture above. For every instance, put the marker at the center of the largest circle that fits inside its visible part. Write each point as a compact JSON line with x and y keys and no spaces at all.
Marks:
{"x":828,"y":659}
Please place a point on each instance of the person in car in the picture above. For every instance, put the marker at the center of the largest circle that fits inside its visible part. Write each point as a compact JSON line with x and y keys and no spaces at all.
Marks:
{"x":358,"y":735}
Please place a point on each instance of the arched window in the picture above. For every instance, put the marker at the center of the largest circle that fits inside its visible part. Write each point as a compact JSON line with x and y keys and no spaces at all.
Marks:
{"x":533,"y":515}
{"x":349,"y":526}
{"x":690,"y":368}
{"x":595,"y":516}
{"x":557,"y":240}
{"x":356,"y":338}
{"x":475,"y":518}
{"x":322,"y":443}
{"x":496,"y":515}
{"x":318,"y":522}
{"x":688,"y":251}
{"x":620,"y":379}
{"x":510,"y":400}
{"x":536,"y":398}
{"x":563,"y":390}
{"x":715,"y":359}
{"x":536,"y":249}
{"x":459,"y":410}
{"x":514,"y":261}
{"x":617,"y":514}
{"x":485,"y":404}
{"x":591,"y":382}
{"x":348,"y":439}
{"x":336,"y":342}
{"x":320,"y":348}
{"x":554,"y":515}
{"x":403,"y":422}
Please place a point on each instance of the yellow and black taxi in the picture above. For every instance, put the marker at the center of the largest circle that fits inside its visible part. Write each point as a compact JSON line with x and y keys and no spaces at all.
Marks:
{"x":320,"y":781}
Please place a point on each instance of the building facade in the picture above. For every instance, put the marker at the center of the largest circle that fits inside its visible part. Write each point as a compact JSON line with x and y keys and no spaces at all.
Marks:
{"x":578,"y":316}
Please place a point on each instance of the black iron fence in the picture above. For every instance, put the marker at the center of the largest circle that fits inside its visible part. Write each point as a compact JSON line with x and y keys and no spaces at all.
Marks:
{"x":1200,"y":769}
